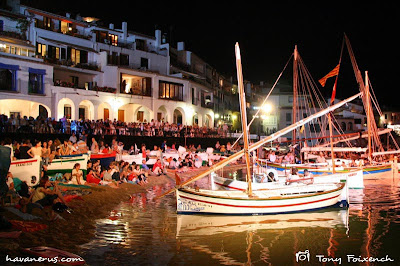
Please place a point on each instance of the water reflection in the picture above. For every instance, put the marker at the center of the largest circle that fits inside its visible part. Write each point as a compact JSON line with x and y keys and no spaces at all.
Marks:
{"x":189,"y":225}
{"x":147,"y":231}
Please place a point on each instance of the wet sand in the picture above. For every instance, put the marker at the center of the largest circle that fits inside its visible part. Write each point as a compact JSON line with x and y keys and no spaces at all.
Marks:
{"x":79,"y":226}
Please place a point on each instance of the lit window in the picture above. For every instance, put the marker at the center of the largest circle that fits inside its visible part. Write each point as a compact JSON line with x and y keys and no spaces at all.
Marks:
{"x":64,"y":27}
{"x":75,"y":56}
{"x":113,"y":39}
{"x":168,"y":90}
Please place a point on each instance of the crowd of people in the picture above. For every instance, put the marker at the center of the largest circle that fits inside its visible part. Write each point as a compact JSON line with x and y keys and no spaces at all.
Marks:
{"x":47,"y":192}
{"x":18,"y":124}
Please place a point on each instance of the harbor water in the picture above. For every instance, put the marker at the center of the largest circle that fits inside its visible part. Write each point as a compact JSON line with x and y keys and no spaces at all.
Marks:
{"x":147,"y":231}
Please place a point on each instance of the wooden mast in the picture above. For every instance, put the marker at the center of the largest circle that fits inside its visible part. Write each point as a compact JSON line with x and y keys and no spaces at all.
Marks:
{"x":242,"y":102}
{"x":367,"y":96}
{"x":331,"y":140}
{"x":295,"y":93}
{"x":371,"y":124}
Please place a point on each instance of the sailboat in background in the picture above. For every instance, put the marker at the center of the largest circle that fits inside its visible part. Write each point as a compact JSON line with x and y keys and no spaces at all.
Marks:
{"x":374,"y":152}
{"x":323,"y":173}
{"x":377,"y":164}
{"x":280,"y":200}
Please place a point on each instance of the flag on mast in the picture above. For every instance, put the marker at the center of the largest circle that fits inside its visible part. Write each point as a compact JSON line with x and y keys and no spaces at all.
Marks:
{"x":333,"y":73}
{"x":334,"y":92}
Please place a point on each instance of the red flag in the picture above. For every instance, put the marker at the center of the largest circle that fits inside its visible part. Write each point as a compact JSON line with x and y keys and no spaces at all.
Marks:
{"x":333,"y":92}
{"x":333,"y":73}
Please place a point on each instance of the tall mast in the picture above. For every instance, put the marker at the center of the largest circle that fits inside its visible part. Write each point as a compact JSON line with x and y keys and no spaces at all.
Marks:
{"x":371,"y":124}
{"x":331,"y":140}
{"x":368,"y":111}
{"x":242,"y":101}
{"x":295,"y":78}
{"x":330,"y":116}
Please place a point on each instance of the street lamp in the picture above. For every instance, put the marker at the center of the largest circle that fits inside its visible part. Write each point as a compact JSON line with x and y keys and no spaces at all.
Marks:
{"x":267,"y":108}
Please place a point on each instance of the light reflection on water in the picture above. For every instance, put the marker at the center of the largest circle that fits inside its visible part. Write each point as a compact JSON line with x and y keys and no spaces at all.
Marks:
{"x":145,"y":231}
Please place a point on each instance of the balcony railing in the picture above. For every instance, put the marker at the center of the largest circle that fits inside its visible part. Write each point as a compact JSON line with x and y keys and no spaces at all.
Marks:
{"x":68,"y":62}
{"x":12,"y":32}
{"x":105,"y":89}
{"x":73,"y":33}
{"x":67,"y":84}
{"x":140,"y":92}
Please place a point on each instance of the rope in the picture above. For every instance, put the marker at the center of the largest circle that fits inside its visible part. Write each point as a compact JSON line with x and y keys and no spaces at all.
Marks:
{"x":273,"y":87}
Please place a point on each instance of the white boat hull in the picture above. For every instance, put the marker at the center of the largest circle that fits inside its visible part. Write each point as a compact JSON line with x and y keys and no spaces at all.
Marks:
{"x":138,"y":158}
{"x":135,"y":158}
{"x":354,"y":179}
{"x":66,"y":164}
{"x":27,"y":170}
{"x":283,"y":200}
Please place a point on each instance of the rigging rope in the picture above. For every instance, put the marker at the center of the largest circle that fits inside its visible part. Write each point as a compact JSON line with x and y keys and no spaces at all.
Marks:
{"x":273,"y":87}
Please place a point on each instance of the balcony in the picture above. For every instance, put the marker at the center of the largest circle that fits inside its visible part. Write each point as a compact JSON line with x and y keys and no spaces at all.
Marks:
{"x":72,"y":33}
{"x":105,"y":89}
{"x":13,"y":34}
{"x":137,"y":92}
{"x":67,"y":84}
{"x":69,"y":63}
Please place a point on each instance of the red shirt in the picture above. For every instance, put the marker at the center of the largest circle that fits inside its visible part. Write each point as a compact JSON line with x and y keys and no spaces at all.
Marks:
{"x":91,"y":179}
{"x":131,"y":176}
{"x":157,"y":164}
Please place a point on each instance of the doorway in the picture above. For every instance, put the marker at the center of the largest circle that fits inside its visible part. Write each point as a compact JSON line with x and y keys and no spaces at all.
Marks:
{"x":121,"y":115}
{"x":106,"y":114}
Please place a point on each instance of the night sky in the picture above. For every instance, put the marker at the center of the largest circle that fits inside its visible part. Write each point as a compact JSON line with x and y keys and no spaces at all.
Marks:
{"x":267,"y":33}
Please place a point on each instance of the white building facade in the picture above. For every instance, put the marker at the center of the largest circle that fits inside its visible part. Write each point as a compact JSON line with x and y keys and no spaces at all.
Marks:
{"x":57,"y":66}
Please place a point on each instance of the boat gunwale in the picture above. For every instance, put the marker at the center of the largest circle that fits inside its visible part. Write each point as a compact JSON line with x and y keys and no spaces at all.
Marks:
{"x":196,"y":193}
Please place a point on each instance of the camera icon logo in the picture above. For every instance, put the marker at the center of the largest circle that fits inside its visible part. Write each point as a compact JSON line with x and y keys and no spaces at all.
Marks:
{"x":303,"y":256}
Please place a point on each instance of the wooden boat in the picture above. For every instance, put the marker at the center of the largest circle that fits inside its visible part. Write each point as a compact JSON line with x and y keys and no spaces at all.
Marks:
{"x":284,"y":168}
{"x":27,"y":170}
{"x":371,"y":171}
{"x":105,"y":158}
{"x":66,"y":163}
{"x":354,"y":180}
{"x":353,"y":175}
{"x":195,"y":225}
{"x":134,"y":158}
{"x":280,"y":200}
{"x":137,"y":159}
{"x":209,"y":154}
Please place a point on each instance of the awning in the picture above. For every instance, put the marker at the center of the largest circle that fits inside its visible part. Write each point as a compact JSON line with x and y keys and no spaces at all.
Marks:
{"x":37,"y":71}
{"x":10,"y":67}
